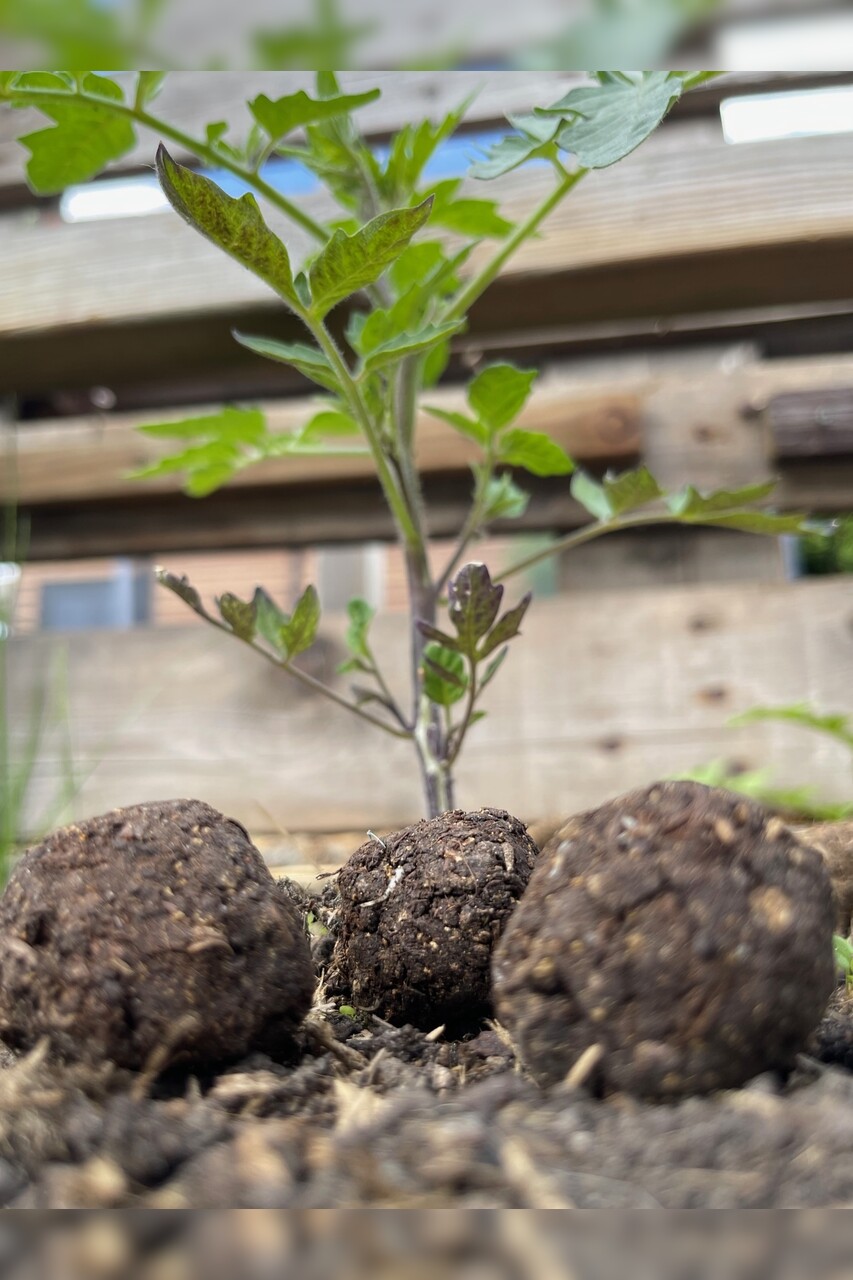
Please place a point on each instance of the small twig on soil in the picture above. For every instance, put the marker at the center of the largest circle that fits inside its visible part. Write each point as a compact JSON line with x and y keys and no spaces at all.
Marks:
{"x":583,"y":1068}
{"x":322,"y":1036}
{"x":161,"y":1056}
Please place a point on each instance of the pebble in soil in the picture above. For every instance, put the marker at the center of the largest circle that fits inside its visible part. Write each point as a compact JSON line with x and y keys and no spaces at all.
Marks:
{"x":420,"y":912}
{"x":680,"y":934}
{"x":152,"y":930}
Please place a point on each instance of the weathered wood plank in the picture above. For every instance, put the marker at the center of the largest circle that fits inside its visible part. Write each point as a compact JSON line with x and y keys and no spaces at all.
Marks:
{"x":595,"y":700}
{"x":722,"y":214}
{"x":64,"y":461}
{"x":697,"y":417}
{"x":812,"y":424}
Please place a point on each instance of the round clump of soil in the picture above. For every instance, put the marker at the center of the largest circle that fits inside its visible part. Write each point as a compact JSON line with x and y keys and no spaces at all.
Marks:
{"x":156,"y":930}
{"x":679,"y":934}
{"x":420,"y":912}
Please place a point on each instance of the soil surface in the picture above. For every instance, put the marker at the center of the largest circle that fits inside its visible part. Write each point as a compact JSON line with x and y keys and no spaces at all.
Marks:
{"x":376,"y":1115}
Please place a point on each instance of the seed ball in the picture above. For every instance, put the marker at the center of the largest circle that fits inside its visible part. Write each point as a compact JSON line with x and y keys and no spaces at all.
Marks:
{"x":678,"y":929}
{"x":420,"y":912}
{"x":834,"y":841}
{"x":152,"y":928}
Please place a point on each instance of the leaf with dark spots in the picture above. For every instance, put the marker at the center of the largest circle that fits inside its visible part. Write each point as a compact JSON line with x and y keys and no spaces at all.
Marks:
{"x":506,"y":628}
{"x":473,"y":604}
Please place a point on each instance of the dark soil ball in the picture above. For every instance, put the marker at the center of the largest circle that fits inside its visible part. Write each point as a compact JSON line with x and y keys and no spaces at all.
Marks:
{"x":678,"y":929}
{"x":153,"y":928}
{"x":420,"y":912}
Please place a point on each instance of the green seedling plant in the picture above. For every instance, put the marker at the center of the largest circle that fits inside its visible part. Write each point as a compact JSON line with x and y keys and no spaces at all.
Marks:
{"x":386,"y":286}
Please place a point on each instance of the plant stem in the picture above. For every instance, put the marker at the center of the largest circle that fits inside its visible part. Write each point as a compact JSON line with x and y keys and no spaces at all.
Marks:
{"x":481,"y":281}
{"x":590,"y":531}
{"x":202,"y":150}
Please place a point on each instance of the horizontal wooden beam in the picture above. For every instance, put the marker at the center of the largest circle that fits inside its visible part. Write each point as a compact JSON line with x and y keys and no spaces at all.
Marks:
{"x":699,"y":419}
{"x":89,"y":459}
{"x":812,"y":424}
{"x":686,"y":224}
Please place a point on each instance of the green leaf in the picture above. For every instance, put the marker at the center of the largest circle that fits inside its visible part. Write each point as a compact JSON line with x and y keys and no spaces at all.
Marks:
{"x":445,"y":680}
{"x":605,"y":122}
{"x":148,"y":85}
{"x":239,"y":614}
{"x":468,"y":217}
{"x":834,"y":725}
{"x":433,"y":633}
{"x":408,"y":344}
{"x":234,"y":225}
{"x":349,"y":263}
{"x":591,"y":495}
{"x":361,"y":614}
{"x":536,"y":452}
{"x":492,"y":670}
{"x":415,"y":263}
{"x":271,"y":622}
{"x":506,"y":628}
{"x":302,"y":631}
{"x":309,"y":361}
{"x":329,"y":422}
{"x":690,"y":502}
{"x":460,"y":422}
{"x":183,"y":588}
{"x":630,"y":490}
{"x":206,"y":467}
{"x":503,"y":499}
{"x":756,"y":522}
{"x":533,"y":138}
{"x":236,"y":426}
{"x":410,"y":150}
{"x":499,"y":393}
{"x":473,"y":604}
{"x":295,"y":110}
{"x":617,"y":494}
{"x":86,"y":137}
{"x":434,"y":365}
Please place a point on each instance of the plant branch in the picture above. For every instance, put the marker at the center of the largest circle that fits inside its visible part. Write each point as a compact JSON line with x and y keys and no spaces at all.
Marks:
{"x":595,"y":530}
{"x":464,"y":723}
{"x":481,"y":281}
{"x":202,"y":150}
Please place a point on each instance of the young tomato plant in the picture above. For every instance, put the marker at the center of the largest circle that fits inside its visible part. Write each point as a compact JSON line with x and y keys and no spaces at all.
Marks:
{"x":387,"y":255}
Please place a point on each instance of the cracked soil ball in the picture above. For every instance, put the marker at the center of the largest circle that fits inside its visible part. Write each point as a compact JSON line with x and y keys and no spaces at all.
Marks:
{"x":156,"y":927}
{"x":420,"y":912}
{"x":680,"y":930}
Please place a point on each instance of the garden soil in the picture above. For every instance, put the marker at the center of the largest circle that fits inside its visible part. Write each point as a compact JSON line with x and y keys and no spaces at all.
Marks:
{"x":366,"y":1114}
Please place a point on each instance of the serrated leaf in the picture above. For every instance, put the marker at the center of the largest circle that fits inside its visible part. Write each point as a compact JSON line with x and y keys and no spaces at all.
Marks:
{"x":470,"y":217}
{"x":295,"y":110}
{"x":302,"y":630}
{"x":183,"y":588}
{"x":473,"y":604}
{"x":591,"y":495}
{"x":630,"y":490}
{"x":206,"y":467}
{"x":503,"y":499}
{"x":534,"y":137}
{"x":234,"y":225}
{"x":535,"y":452}
{"x":461,"y":423}
{"x":148,"y":85}
{"x":756,"y":522}
{"x":205,"y":480}
{"x":492,"y":669}
{"x":239,"y":614}
{"x":410,"y":150}
{"x":607,"y":121}
{"x":408,"y":344}
{"x":690,"y":502}
{"x":445,"y":680}
{"x":349,"y":263}
{"x":499,"y":393}
{"x":506,"y":628}
{"x":361,"y":614}
{"x":271,"y":621}
{"x":309,"y":361}
{"x":84,"y":139}
{"x":237,"y":426}
{"x":433,"y":633}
